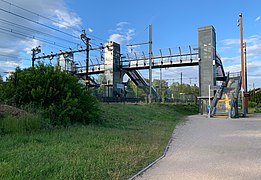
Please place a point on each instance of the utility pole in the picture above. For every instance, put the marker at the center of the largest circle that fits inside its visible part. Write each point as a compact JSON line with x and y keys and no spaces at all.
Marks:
{"x":242,"y":63}
{"x":161,"y":84}
{"x":150,"y":62}
{"x":35,"y":51}
{"x":86,"y":41}
{"x":181,"y":78}
{"x":245,"y":59}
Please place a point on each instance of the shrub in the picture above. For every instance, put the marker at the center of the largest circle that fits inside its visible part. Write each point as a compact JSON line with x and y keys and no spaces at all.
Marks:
{"x":252,"y":104}
{"x":64,"y":100}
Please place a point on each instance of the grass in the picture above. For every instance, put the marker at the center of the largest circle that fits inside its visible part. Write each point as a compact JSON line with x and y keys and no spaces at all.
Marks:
{"x":26,"y":123}
{"x":130,"y":138}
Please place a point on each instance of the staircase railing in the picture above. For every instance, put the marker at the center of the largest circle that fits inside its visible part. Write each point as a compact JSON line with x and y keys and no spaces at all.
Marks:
{"x":140,"y":81}
{"x":234,"y":99}
{"x":218,"y":96}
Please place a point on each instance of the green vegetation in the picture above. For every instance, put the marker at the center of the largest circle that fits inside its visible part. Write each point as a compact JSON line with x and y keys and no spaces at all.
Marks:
{"x":63,"y":99}
{"x":130,"y":137}
{"x":178,"y":92}
{"x":28,"y":123}
{"x":255,"y":101}
{"x":47,"y":136}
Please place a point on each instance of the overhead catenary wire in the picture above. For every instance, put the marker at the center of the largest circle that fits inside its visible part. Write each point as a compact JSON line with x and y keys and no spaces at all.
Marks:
{"x":11,"y":32}
{"x":48,"y":18}
{"x":39,"y":15}
{"x":44,"y":25}
{"x":9,"y":56}
{"x":36,"y":31}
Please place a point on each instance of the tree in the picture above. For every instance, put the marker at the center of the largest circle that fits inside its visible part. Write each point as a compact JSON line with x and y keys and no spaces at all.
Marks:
{"x":181,"y":91}
{"x":134,"y":91}
{"x":1,"y":79}
{"x":161,"y":87}
{"x":64,"y":100}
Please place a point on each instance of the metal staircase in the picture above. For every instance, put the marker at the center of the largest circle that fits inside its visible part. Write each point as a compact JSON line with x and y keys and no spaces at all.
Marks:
{"x":218,"y":96}
{"x":139,"y":80}
{"x":226,"y":98}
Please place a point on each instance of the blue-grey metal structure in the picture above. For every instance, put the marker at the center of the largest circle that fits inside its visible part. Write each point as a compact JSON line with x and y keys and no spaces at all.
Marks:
{"x":205,"y":56}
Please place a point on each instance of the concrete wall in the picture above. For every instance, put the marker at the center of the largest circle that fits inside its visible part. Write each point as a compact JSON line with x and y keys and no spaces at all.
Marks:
{"x":207,"y":69}
{"x":113,"y":75}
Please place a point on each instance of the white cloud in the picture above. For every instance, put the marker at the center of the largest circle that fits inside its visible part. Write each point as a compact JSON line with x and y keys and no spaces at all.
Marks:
{"x":130,"y":33}
{"x":257,"y":18}
{"x":66,"y":19}
{"x":118,"y":38}
{"x":233,"y":68}
{"x":122,"y":34}
{"x":90,"y":30}
{"x":122,"y":23}
{"x":30,"y":44}
{"x":6,"y":51}
{"x":9,"y":64}
{"x":231,"y":59}
{"x":254,"y":49}
{"x":18,"y":46}
{"x":228,"y":42}
{"x":253,"y":46}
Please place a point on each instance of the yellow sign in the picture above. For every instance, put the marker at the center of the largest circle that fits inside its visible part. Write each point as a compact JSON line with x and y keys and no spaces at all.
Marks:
{"x":228,"y":107}
{"x":225,"y":100}
{"x":86,"y":81}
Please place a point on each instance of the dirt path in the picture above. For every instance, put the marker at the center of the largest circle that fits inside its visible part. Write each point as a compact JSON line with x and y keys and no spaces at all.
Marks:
{"x":212,"y":149}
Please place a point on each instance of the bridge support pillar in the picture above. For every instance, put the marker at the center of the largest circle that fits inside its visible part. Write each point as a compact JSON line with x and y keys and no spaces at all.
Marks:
{"x":113,"y":75}
{"x":207,"y":69}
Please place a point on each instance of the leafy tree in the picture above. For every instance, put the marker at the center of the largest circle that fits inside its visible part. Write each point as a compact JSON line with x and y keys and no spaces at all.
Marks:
{"x":134,"y":91}
{"x":255,"y":96}
{"x":64,"y":100}
{"x":161,"y":87}
{"x":1,"y":89}
{"x":1,"y":79}
{"x":181,"y":91}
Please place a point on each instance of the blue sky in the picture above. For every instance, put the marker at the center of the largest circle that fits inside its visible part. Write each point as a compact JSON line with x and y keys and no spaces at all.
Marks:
{"x":174,"y":23}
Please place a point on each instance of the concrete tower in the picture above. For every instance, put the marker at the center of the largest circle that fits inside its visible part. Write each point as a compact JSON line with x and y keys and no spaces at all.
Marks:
{"x":113,"y":75}
{"x":207,"y":69}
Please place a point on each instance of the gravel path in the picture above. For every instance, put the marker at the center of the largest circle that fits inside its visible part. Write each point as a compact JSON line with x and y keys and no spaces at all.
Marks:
{"x":205,"y":148}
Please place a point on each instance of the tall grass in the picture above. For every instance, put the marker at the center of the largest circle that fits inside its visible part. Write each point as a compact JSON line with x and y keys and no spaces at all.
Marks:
{"x":26,"y":123}
{"x":131,"y":137}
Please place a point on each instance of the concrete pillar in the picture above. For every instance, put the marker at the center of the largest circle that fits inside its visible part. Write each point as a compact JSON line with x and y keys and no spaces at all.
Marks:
{"x":207,"y":69}
{"x":113,"y":75}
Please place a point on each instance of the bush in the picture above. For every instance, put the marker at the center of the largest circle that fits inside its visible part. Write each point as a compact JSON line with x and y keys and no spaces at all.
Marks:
{"x":64,"y":100}
{"x":252,"y":104}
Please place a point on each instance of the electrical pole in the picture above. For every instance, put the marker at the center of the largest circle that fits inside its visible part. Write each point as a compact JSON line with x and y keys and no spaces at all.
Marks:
{"x":181,"y":78}
{"x":161,"y":84}
{"x":150,"y":62}
{"x":35,"y":51}
{"x":86,"y":41}
{"x":245,"y":59}
{"x":242,"y":63}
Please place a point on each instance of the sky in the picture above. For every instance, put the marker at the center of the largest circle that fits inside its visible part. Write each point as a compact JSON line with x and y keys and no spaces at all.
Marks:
{"x":57,"y":25}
